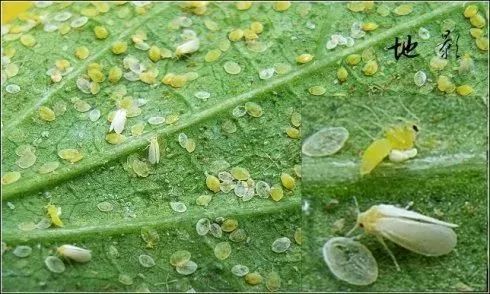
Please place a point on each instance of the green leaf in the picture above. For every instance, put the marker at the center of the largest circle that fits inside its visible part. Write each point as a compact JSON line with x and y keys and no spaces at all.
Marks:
{"x":449,"y":174}
{"x":260,"y":145}
{"x":446,"y":180}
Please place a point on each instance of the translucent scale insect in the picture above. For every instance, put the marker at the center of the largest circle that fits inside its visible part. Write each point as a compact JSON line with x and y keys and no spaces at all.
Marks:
{"x":414,"y":231}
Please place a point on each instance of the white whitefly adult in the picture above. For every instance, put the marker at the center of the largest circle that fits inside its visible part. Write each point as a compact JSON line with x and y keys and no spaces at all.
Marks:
{"x":187,"y":47}
{"x":74,"y":253}
{"x":118,"y":121}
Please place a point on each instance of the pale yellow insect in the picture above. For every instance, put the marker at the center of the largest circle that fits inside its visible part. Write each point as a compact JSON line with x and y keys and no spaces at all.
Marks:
{"x":54,"y":214}
{"x":401,"y":137}
{"x":414,"y":231}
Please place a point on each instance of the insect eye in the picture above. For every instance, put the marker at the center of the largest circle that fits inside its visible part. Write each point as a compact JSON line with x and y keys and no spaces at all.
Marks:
{"x":361,"y":225}
{"x":415,"y":128}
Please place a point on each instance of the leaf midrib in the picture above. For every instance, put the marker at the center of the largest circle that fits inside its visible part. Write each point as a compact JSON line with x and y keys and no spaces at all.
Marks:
{"x":117,"y":228}
{"x":337,"y":172}
{"x":22,"y":187}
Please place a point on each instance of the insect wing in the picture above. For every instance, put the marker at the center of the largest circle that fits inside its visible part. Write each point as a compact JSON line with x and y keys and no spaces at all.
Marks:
{"x":422,"y":238}
{"x":393,"y":211}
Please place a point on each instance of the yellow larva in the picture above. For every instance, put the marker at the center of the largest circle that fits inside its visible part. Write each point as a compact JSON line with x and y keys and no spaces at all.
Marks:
{"x":293,"y":133}
{"x":288,"y":181}
{"x":115,"y":74}
{"x":353,"y":59}
{"x":154,"y":151}
{"x":398,"y":137}
{"x":54,"y":214}
{"x":101,"y":32}
{"x":257,"y":27}
{"x":414,"y":231}
{"x":154,"y":53}
{"x":115,"y":138}
{"x":28,"y":40}
{"x":119,"y":47}
{"x":74,"y":253}
{"x":46,"y":113}
{"x":212,"y":183}
{"x":304,"y":58}
{"x":243,"y":5}
{"x":370,"y":68}
{"x":235,"y":35}
{"x":369,"y":26}
{"x":342,"y":74}
{"x":470,"y":11}
{"x":464,"y":90}
{"x":281,"y":5}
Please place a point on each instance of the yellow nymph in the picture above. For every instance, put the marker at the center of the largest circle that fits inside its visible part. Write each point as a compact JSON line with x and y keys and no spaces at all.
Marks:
{"x":400,"y":137}
{"x":54,"y":215}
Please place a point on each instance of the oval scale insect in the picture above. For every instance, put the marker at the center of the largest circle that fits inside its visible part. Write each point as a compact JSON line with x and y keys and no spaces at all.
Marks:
{"x":396,"y":138}
{"x":350,"y":261}
{"x":411,"y":230}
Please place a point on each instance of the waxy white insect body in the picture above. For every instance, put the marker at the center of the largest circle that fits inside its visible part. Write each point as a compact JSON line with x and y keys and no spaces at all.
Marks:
{"x":188,"y":47}
{"x":402,"y":155}
{"x":118,"y":121}
{"x":414,"y":231}
{"x":74,"y":253}
{"x":154,"y":151}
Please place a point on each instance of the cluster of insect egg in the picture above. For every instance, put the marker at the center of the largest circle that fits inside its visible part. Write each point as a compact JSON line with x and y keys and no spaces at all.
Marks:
{"x":239,"y":180}
{"x":370,"y":67}
{"x":478,"y":22}
{"x":196,"y":7}
{"x":250,"y":34}
{"x":182,"y":262}
{"x":62,"y":67}
{"x":9,"y":69}
{"x":293,"y":131}
{"x":138,"y":71}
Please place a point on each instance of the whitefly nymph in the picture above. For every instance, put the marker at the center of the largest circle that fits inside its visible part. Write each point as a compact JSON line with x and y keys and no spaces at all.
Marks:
{"x":413,"y":231}
{"x":350,"y":261}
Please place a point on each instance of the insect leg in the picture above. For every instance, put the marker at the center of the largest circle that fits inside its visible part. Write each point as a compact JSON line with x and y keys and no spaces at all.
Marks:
{"x":380,"y":239}
{"x":357,"y":213}
{"x":410,"y":204}
{"x":352,"y":230}
{"x":355,"y":238}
